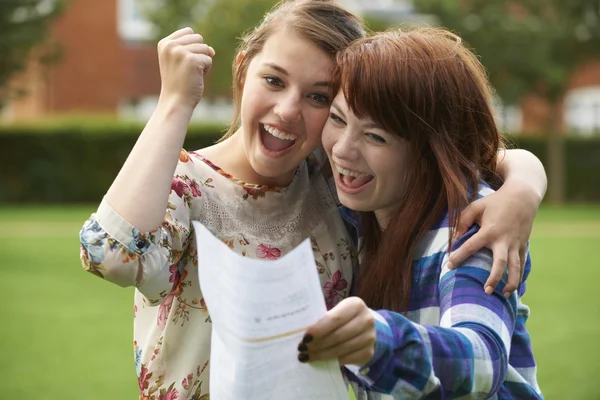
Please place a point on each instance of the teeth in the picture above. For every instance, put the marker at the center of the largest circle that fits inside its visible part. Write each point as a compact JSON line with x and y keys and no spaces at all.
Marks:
{"x":279,"y":134}
{"x":346,"y":172}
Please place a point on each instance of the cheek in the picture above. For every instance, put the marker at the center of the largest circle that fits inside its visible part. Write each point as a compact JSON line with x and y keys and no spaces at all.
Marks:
{"x":315,"y":121}
{"x":396,"y":176}
{"x":328,"y":138}
{"x":253,"y":99}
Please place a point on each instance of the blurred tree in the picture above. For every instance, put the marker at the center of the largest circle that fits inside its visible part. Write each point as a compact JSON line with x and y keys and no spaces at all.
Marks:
{"x":24,"y":24}
{"x":528,"y":46}
{"x":167,"y":16}
{"x":221,"y":22}
{"x":222,"y":27}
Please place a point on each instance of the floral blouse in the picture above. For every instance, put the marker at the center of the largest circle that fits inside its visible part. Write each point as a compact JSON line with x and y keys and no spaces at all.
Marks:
{"x":172,"y":326}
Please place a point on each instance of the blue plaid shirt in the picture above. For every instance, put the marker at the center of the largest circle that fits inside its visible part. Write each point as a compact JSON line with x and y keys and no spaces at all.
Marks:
{"x":455,"y":341}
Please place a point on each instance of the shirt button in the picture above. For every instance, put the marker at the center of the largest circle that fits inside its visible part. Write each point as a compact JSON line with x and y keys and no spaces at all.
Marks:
{"x":140,"y":243}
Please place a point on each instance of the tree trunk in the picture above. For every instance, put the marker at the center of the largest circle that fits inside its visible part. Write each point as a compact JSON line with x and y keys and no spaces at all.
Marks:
{"x":556,"y":157}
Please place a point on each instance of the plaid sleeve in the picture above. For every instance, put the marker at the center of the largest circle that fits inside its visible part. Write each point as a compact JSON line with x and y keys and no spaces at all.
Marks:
{"x":467,"y":354}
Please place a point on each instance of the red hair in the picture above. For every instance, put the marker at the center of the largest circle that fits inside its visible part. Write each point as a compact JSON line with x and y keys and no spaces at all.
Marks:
{"x":427,"y":87}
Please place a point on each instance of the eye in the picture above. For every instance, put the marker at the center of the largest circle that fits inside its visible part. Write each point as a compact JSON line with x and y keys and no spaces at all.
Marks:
{"x":375,"y":137}
{"x":335,"y":118}
{"x":320,"y":98}
{"x":274,"y":81}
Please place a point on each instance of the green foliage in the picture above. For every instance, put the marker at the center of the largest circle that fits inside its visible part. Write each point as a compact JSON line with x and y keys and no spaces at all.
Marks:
{"x":73,"y":161}
{"x":24,"y":24}
{"x":168,"y":16}
{"x":222,"y":23}
{"x":528,"y":46}
{"x":222,"y":27}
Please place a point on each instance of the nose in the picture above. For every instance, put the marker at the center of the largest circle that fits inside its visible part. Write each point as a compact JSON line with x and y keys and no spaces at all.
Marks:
{"x":344,"y":146}
{"x":289,"y":107}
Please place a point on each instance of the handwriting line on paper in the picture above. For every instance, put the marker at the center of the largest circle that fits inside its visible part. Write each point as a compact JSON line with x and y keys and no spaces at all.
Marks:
{"x":281,"y":335}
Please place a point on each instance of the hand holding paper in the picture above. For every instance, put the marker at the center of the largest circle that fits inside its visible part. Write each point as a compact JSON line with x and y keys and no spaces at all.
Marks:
{"x":260,"y":311}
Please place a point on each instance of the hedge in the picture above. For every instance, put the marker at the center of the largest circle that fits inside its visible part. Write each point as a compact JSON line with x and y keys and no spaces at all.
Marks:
{"x":76,"y":162}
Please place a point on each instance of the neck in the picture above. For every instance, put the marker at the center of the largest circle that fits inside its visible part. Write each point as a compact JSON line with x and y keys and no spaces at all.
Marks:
{"x":384,"y":216}
{"x":230,"y":155}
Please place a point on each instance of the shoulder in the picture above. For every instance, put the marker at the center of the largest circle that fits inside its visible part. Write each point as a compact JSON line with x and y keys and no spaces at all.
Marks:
{"x":437,"y":238}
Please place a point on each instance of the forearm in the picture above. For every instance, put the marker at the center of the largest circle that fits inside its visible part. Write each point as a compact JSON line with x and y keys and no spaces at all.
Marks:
{"x":517,"y":166}
{"x":140,"y":191}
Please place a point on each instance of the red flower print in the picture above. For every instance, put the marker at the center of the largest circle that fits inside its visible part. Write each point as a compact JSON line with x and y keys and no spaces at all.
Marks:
{"x":164,"y":309}
{"x":170,"y":394}
{"x":332,"y":287}
{"x":174,"y":273}
{"x":179,"y":186}
{"x":252,"y":192}
{"x":143,"y":379}
{"x":194,"y":187}
{"x":270,"y":253}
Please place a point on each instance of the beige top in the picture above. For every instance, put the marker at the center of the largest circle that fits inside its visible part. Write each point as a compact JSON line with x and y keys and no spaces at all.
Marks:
{"x":172,"y":326}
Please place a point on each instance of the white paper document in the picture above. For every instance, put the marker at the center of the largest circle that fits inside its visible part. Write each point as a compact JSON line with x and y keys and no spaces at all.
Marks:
{"x":260,"y":311}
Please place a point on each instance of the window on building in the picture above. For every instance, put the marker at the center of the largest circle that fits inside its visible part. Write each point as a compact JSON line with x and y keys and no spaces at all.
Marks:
{"x":582,"y":110}
{"x":508,"y":117}
{"x":132,"y":24}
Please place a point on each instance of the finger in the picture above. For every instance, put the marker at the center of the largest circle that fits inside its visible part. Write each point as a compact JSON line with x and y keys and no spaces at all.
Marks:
{"x":189,"y":39}
{"x":523,"y":258}
{"x":468,"y":248}
{"x":356,"y":326}
{"x":358,"y":343}
{"x":204,"y":62}
{"x":468,"y":217}
{"x":338,"y":316}
{"x":514,"y":273}
{"x":360,"y":357}
{"x":498,"y":267}
{"x":180,"y":32}
{"x":199,"y":48}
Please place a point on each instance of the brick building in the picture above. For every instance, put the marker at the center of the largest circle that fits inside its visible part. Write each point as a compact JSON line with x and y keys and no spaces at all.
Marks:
{"x":108,"y":67}
{"x":106,"y":64}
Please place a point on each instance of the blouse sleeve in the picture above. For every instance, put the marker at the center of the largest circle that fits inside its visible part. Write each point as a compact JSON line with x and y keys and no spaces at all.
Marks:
{"x":116,"y":251}
{"x":465,"y":356}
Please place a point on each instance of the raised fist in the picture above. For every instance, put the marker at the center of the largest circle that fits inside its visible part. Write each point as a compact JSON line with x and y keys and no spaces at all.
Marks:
{"x":184,"y":60}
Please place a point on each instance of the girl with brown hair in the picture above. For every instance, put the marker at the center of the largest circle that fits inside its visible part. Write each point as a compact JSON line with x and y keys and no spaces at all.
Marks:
{"x":412,"y":141}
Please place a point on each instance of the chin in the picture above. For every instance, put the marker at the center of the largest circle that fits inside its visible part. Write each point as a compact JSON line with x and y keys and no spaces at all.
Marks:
{"x":354,"y":204}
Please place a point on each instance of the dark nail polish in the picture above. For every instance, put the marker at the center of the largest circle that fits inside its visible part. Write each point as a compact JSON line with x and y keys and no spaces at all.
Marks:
{"x":303,"y":357}
{"x":307,"y":338}
{"x":302,"y":347}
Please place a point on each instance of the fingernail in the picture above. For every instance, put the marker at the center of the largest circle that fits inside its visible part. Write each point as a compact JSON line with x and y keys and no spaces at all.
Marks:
{"x":507,"y":294}
{"x":488,"y":290}
{"x":307,"y":338}
{"x":302,"y":347}
{"x":450,"y":265}
{"x":302,"y":357}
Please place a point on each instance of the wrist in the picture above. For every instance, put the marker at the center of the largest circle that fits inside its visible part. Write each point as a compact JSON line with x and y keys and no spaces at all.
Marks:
{"x":524,"y":189}
{"x":173,"y":106}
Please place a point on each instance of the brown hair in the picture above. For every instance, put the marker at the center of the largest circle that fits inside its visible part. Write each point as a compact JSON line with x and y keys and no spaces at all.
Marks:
{"x":426,"y":86}
{"x":323,"y":22}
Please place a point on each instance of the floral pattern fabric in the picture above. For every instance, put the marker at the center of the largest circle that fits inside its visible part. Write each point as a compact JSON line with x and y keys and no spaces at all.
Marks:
{"x":172,"y":325}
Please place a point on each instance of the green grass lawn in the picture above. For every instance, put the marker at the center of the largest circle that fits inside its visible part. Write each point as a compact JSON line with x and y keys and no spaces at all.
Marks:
{"x":68,"y":335}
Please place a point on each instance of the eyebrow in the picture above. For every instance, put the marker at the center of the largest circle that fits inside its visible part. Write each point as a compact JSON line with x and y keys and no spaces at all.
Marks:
{"x":338,"y":109}
{"x":283,"y":71}
{"x":371,"y":124}
{"x":374,"y":125}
